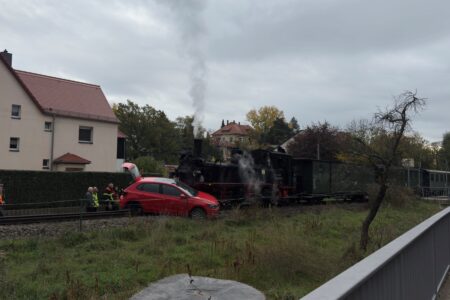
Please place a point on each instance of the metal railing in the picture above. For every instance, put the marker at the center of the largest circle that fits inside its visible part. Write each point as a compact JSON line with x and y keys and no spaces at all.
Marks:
{"x":442,"y":193}
{"x":413,"y":266}
{"x":41,"y":208}
{"x":80,"y":209}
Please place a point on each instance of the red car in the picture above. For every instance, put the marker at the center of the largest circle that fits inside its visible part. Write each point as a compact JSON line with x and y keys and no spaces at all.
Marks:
{"x":166,"y":196}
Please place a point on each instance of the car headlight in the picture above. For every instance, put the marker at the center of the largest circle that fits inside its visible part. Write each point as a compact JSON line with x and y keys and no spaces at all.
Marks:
{"x":213,"y":206}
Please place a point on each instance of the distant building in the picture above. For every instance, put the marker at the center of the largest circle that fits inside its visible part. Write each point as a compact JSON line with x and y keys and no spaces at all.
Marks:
{"x":436,"y":145}
{"x":49,"y":123}
{"x":230,"y":136}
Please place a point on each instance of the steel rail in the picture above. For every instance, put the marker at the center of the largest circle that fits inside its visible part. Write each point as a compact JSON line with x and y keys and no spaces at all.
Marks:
{"x":28,"y":219}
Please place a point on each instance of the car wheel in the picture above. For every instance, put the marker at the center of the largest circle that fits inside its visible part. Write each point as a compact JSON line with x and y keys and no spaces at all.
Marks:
{"x":135,"y":209}
{"x":198,"y":214}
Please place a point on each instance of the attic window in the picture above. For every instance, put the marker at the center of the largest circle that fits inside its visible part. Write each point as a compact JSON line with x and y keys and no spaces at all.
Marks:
{"x":15,"y":111}
{"x":85,"y":135}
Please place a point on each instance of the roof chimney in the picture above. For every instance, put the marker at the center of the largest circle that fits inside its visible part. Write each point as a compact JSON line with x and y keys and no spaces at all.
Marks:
{"x":227,"y":122}
{"x":7,"y":57}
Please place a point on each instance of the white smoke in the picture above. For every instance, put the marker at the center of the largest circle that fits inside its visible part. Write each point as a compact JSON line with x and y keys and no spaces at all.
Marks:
{"x":247,"y":173}
{"x":188,"y":15}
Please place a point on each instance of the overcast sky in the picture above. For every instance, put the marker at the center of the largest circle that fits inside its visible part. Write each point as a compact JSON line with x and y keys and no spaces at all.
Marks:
{"x":317,"y":60}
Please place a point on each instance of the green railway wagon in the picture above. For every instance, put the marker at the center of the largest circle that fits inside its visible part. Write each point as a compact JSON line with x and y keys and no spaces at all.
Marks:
{"x":329,"y":177}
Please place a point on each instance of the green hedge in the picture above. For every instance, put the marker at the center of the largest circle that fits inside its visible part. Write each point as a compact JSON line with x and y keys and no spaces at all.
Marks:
{"x":37,"y":186}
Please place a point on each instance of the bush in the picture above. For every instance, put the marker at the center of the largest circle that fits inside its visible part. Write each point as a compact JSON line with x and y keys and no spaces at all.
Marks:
{"x":40,"y":186}
{"x":397,"y":196}
{"x":149,"y":165}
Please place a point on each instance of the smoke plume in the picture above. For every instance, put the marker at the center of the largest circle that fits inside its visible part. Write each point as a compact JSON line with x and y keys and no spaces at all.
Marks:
{"x":247,"y":173}
{"x":189,"y":20}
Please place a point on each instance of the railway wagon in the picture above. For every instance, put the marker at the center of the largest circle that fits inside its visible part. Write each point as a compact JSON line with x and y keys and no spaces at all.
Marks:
{"x":425,"y":182}
{"x":318,"y":179}
{"x":434,"y":183}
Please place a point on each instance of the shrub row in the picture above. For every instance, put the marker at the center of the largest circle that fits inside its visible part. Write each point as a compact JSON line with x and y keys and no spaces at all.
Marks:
{"x":41,"y":186}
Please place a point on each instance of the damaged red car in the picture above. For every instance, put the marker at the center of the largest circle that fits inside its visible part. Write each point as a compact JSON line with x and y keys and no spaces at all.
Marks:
{"x":159,"y":195}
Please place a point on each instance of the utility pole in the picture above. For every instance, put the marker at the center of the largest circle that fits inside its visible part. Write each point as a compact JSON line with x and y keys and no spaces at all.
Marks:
{"x":318,"y":151}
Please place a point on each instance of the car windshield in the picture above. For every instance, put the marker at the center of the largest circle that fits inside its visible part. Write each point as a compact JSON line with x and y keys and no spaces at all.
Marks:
{"x":186,"y":188}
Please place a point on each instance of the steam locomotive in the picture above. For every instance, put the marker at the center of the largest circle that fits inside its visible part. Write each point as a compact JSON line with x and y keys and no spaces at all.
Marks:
{"x":274,"y":177}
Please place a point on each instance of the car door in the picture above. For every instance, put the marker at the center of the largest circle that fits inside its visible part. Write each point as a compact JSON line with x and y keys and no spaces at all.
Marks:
{"x":149,"y":197}
{"x":175,"y":201}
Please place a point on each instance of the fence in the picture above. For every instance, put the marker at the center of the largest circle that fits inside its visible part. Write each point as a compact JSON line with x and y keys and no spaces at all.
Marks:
{"x":42,"y":208}
{"x":442,"y":193}
{"x":54,"y":207}
{"x":64,"y":210}
{"x":412,"y":266}
{"x":40,"y":186}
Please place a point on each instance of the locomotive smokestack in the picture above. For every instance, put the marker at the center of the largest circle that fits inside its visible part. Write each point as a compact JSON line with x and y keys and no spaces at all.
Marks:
{"x":198,"y":147}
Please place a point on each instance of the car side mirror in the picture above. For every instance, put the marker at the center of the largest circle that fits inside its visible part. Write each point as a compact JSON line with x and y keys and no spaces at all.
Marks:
{"x":183,"y":196}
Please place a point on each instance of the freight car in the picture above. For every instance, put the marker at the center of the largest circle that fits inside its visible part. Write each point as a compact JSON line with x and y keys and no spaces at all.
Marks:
{"x":272,"y":178}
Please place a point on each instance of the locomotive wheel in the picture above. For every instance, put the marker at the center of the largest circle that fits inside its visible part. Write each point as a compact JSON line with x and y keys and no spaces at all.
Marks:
{"x":198,"y":214}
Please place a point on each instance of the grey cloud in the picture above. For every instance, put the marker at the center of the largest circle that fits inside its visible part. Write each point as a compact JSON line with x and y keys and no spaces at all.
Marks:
{"x":341,"y":27}
{"x":333,"y":60}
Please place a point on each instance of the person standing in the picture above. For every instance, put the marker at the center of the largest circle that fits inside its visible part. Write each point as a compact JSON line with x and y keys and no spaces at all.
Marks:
{"x":1,"y":204}
{"x":1,"y":195}
{"x":110,"y":196}
{"x":95,"y":197}
{"x":90,"y":199}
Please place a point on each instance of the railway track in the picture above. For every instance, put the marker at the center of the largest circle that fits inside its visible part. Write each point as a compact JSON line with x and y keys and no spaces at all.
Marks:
{"x":28,"y":219}
{"x":67,"y":216}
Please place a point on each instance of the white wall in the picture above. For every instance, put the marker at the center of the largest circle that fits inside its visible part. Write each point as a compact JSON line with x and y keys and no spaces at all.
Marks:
{"x":102,"y":152}
{"x":35,"y":142}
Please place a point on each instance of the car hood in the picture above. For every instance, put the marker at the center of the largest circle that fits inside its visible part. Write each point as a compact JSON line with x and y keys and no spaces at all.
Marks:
{"x":207,"y":198}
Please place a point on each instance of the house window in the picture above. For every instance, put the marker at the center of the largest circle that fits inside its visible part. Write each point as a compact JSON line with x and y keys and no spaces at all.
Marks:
{"x":45,"y":164}
{"x":85,"y":135}
{"x":15,"y":111}
{"x":14,"y":144}
{"x":48,"y":126}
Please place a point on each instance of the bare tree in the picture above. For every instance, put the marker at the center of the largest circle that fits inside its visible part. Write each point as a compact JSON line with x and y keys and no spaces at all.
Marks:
{"x":377,"y":143}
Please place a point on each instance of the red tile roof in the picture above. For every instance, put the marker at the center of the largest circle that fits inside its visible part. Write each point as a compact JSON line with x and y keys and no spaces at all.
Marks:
{"x":70,"y":158}
{"x":234,"y":129}
{"x":67,"y":98}
{"x":14,"y":74}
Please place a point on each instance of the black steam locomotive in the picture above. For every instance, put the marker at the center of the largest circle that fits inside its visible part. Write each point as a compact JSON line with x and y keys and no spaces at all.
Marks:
{"x":272,"y":177}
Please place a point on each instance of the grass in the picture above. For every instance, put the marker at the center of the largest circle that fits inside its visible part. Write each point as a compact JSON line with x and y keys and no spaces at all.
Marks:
{"x":284,"y":256}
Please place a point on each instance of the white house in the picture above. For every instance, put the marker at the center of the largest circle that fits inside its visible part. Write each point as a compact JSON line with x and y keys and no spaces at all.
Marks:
{"x":49,"y":123}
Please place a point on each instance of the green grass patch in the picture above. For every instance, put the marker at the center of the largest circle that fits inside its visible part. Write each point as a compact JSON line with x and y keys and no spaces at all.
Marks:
{"x":284,"y":256}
